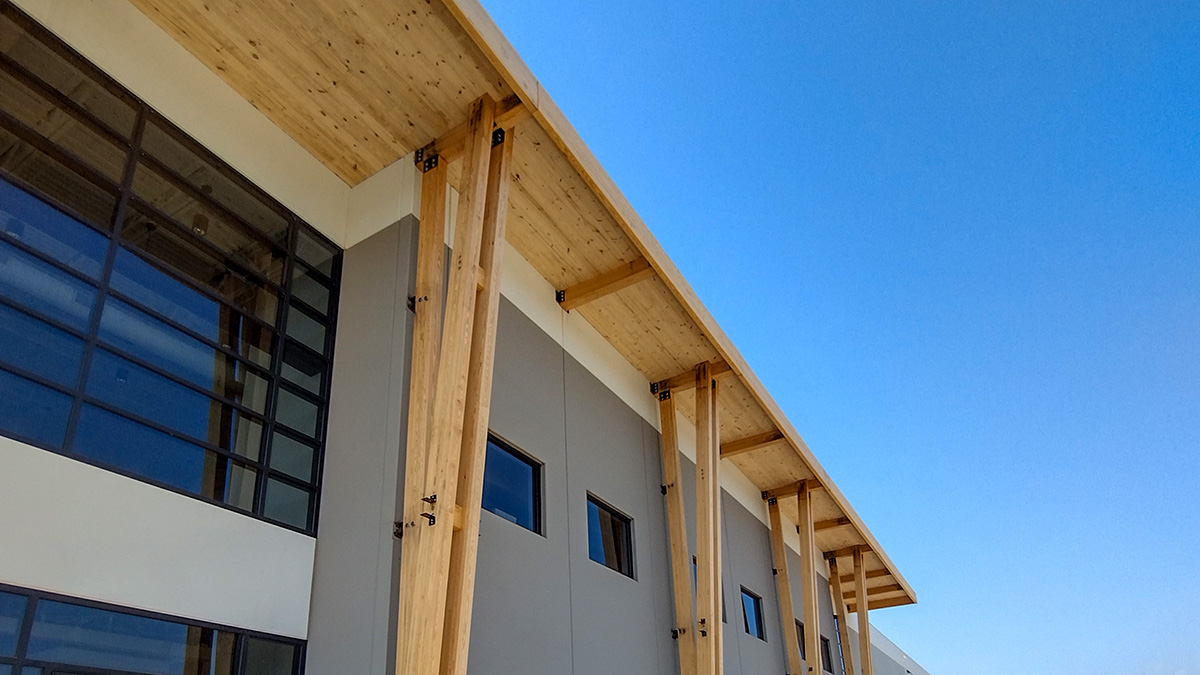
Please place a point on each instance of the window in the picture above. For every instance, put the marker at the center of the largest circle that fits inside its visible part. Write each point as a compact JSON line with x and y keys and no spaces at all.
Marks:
{"x":800,"y":637}
{"x":57,"y":634}
{"x":752,"y":614}
{"x":826,"y":656}
{"x":160,"y":316}
{"x":512,"y":485}
{"x":610,"y":537}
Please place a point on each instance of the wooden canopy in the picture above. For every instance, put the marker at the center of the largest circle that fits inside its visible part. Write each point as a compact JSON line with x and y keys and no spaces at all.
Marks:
{"x":362,"y":83}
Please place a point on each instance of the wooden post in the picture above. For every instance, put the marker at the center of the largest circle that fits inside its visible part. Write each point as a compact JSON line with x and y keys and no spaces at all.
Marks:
{"x":708,"y":570}
{"x":715,"y":443}
{"x":864,"y":622}
{"x":839,"y":609}
{"x":787,"y":608}
{"x":681,"y":559}
{"x":456,"y":640}
{"x":808,"y":564}
{"x":430,"y":507}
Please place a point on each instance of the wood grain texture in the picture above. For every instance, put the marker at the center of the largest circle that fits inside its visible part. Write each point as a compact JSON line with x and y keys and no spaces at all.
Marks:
{"x":864,"y":621}
{"x":787,"y":609}
{"x":681,"y":559}
{"x":839,"y":610}
{"x":808,"y":564}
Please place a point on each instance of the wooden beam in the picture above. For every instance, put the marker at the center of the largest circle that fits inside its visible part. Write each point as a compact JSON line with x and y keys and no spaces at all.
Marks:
{"x":839,"y":611}
{"x":848,"y":551}
{"x":681,"y":559}
{"x":465,"y":546}
{"x":875,"y":590}
{"x":792,"y":489}
{"x":687,"y":380}
{"x":831,"y":523}
{"x":708,"y":526}
{"x":750,"y":443}
{"x":604,"y":284}
{"x":864,"y":621}
{"x":426,"y":549}
{"x":872,"y":574}
{"x":808,"y":564}
{"x":787,"y":609}
{"x":882,"y":603}
{"x":449,"y":147}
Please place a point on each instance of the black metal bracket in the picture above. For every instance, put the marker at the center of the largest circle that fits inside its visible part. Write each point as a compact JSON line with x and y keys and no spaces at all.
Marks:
{"x":674,"y":634}
{"x":419,"y":156}
{"x":765,"y":495}
{"x":774,"y":572}
{"x":432,"y":518}
{"x":412,"y":303}
{"x":398,"y":529}
{"x":665,"y":395}
{"x":560,"y":296}
{"x":663,"y":489}
{"x":429,"y":164}
{"x":431,"y":499}
{"x":772,"y":500}
{"x":653,"y":387}
{"x":497,"y":136}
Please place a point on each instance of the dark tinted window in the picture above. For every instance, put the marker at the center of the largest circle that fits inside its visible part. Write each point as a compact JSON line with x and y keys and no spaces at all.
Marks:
{"x":610,"y":537}
{"x":12,"y":613}
{"x":752,"y":615}
{"x":826,"y":657}
{"x":512,"y":486}
{"x":800,"y":636}
{"x":212,"y":305}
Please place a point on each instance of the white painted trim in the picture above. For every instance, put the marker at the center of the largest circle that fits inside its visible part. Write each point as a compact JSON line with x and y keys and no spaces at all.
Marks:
{"x":86,"y":532}
{"x":127,"y":45}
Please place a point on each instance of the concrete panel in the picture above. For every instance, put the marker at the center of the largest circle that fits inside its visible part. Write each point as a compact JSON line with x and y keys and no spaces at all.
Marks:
{"x":522,"y":617}
{"x":354,"y":595}
{"x":614,"y":619}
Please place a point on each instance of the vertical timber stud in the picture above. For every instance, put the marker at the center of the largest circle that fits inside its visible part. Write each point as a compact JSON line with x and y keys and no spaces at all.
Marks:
{"x":456,"y":641}
{"x":864,"y":623}
{"x":425,"y":562}
{"x":681,"y":559}
{"x":808,"y":564}
{"x":787,"y":609}
{"x":708,"y":581}
{"x":839,"y":610}
{"x":714,"y":417}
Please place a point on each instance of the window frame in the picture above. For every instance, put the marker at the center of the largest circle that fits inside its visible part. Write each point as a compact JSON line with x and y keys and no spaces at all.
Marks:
{"x":127,"y":201}
{"x":538,"y":467}
{"x":800,"y":636}
{"x":757,"y":601}
{"x":826,"y":655}
{"x":630,"y":556}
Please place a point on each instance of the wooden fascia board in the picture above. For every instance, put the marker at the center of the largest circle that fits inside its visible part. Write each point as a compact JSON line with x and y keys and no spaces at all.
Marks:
{"x":488,"y":37}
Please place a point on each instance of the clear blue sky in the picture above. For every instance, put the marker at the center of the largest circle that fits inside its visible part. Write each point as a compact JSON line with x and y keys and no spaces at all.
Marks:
{"x":961,"y":244}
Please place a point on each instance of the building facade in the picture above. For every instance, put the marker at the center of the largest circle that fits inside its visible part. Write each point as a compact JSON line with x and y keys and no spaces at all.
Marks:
{"x":209,"y":350}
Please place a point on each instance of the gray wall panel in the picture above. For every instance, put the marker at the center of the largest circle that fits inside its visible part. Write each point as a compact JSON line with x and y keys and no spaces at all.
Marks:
{"x":748,"y":558}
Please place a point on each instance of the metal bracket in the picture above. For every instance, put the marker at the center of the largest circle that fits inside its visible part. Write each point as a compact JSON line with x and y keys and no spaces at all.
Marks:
{"x":419,"y":156}
{"x":431,"y":499}
{"x":665,"y":395}
{"x":774,"y":572}
{"x":398,"y":529}
{"x":764,"y":494}
{"x":560,"y":296}
{"x":429,"y":164}
{"x":432,"y":518}
{"x":772,"y":501}
{"x":412,"y":303}
{"x":674,"y":634}
{"x":653,"y":387}
{"x":663,"y":489}
{"x":497,"y":136}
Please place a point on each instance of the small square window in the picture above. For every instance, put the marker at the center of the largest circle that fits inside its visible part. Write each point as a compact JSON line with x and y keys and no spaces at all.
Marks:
{"x":752,"y":615}
{"x":610,"y":537}
{"x":800,"y":636}
{"x":826,"y":656}
{"x":512,"y":485}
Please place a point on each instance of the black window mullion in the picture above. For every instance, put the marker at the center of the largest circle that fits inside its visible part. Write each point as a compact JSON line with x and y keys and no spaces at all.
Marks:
{"x":36,"y":314}
{"x":58,"y":153}
{"x":54,"y":203}
{"x":276,"y":372}
{"x":26,"y":629}
{"x":105,"y":278}
{"x":64,"y":102}
{"x":327,"y":383}
{"x":37,"y":253}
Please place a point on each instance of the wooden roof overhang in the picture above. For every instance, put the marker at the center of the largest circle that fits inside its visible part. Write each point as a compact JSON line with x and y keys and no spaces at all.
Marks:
{"x":362,"y":83}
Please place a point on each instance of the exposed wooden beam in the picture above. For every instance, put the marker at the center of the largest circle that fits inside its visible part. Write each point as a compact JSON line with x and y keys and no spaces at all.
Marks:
{"x":787,"y":609}
{"x":465,"y":547}
{"x":449,"y":147}
{"x":875,"y":590}
{"x":427,"y":546}
{"x":808,"y":588}
{"x":840,"y":611}
{"x":864,"y":620}
{"x":708,"y":528}
{"x":792,"y":489}
{"x":687,"y":380}
{"x":873,"y":574}
{"x":848,"y":551}
{"x":874,"y":603}
{"x":831,"y":523}
{"x":750,"y":443}
{"x":604,"y":284}
{"x":681,"y":559}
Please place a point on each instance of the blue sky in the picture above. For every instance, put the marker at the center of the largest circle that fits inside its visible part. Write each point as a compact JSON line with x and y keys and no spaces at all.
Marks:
{"x":960,"y":242}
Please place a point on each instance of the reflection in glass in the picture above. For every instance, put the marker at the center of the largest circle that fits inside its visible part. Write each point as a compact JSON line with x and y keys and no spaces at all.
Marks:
{"x":510,"y":486}
{"x":41,"y":415}
{"x":610,"y":539}
{"x":267,"y":657}
{"x":39,"y":348}
{"x":40,"y":226}
{"x":297,"y":413}
{"x":12,"y":614}
{"x":35,"y":284}
{"x":287,"y":504}
{"x":292,"y":457}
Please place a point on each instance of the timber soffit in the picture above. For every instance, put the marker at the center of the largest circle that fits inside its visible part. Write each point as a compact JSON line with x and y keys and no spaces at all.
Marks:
{"x":503,"y":56}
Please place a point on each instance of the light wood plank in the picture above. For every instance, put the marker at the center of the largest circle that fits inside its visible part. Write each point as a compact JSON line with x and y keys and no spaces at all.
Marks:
{"x":750,"y":443}
{"x":509,"y":112}
{"x":426,"y":547}
{"x":839,"y":610}
{"x":787,"y":609}
{"x":808,"y":564}
{"x":681,"y":558}
{"x":882,"y":603}
{"x":687,"y":379}
{"x":465,"y":547}
{"x":864,"y":621}
{"x":871,"y":574}
{"x":605,"y":284}
{"x":791,"y":489}
{"x":848,"y":551}
{"x":874,"y":590}
{"x":831,"y":523}
{"x":708,"y":580}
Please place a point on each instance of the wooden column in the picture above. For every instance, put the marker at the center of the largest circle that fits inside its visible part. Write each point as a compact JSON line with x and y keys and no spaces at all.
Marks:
{"x":708,"y":528}
{"x":864,"y":622}
{"x":839,"y":609}
{"x":808,"y":564}
{"x":787,"y":609}
{"x":465,"y":546}
{"x":681,"y":559}
{"x":431,"y":489}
